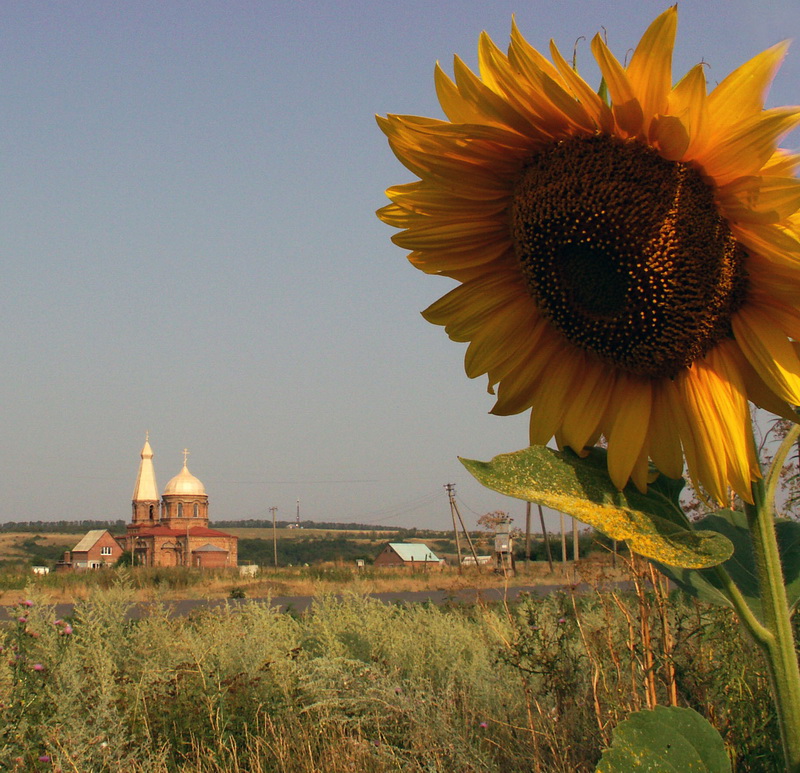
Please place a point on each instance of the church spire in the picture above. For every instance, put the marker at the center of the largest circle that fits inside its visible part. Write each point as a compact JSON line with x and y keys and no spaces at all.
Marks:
{"x":146,"y":489}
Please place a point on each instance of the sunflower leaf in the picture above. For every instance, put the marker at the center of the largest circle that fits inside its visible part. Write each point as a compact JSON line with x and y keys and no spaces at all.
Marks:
{"x":652,"y":524}
{"x":666,"y":738}
{"x":704,"y":583}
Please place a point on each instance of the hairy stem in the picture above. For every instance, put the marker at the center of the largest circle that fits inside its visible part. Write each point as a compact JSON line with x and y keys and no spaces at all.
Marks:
{"x":779,"y":646}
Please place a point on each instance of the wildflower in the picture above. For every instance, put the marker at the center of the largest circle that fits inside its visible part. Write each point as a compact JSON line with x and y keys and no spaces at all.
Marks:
{"x":26,"y":603}
{"x":626,"y":270}
{"x":44,"y":758}
{"x":66,"y":630}
{"x":483,"y":725}
{"x":22,"y":620}
{"x":562,"y":620}
{"x":38,"y":667}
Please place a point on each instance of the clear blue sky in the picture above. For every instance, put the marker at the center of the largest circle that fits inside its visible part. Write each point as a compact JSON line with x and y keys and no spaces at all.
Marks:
{"x":189,"y":247}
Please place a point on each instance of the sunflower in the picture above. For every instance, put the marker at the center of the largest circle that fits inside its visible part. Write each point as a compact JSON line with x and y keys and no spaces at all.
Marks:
{"x":628,"y":267}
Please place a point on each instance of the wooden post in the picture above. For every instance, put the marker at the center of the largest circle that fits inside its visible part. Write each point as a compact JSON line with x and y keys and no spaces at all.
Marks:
{"x":273,"y":510}
{"x":546,"y":538}
{"x":527,"y":534}
{"x":450,"y":487}
{"x":575,"y":550}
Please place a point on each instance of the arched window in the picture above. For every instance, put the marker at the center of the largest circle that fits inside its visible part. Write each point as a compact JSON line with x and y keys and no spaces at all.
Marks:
{"x":180,"y":509}
{"x":152,"y":509}
{"x":196,"y":510}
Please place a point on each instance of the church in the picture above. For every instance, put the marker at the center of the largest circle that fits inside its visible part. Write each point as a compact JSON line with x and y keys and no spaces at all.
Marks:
{"x":173,"y":530}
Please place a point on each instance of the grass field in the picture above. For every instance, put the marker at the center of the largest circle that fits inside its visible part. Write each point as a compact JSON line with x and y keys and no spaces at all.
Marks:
{"x":19,"y":550}
{"x":355,"y":686}
{"x":177,"y":583}
{"x":17,"y":545}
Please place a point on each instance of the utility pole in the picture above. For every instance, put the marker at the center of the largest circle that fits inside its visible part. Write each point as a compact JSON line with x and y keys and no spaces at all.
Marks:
{"x":450,"y":488}
{"x":546,"y":538}
{"x":451,"y":491}
{"x":575,"y":552}
{"x":527,"y":534}
{"x":273,"y":510}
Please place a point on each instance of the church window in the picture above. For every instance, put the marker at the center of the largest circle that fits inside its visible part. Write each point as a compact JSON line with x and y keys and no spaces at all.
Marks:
{"x":196,"y":510}
{"x":180,"y":509}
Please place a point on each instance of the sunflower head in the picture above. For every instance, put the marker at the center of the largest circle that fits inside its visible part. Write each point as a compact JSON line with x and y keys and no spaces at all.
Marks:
{"x":626,"y":269}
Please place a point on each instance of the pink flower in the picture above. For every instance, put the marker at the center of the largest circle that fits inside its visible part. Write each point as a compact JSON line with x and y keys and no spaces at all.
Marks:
{"x":26,"y":603}
{"x":483,"y":725}
{"x":67,"y":630}
{"x":22,"y":619}
{"x":44,"y":758}
{"x":38,"y":667}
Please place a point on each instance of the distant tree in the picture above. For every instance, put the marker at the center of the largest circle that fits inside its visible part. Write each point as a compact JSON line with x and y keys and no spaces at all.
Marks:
{"x":490,"y":521}
{"x":125,"y":559}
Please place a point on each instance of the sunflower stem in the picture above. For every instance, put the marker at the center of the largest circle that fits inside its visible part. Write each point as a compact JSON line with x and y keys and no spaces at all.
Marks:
{"x":779,"y":645}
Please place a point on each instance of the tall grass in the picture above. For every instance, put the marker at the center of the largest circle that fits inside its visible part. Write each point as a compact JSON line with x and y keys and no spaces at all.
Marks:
{"x":355,"y":685}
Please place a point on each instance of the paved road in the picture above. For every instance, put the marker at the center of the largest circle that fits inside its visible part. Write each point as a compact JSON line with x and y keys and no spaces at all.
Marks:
{"x":301,"y":603}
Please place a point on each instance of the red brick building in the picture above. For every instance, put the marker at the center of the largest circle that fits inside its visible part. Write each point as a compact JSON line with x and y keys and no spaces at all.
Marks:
{"x":173,"y":530}
{"x":95,"y":550}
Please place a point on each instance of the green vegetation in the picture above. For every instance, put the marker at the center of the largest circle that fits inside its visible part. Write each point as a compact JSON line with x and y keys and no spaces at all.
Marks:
{"x":355,"y":685}
{"x":306,"y":550}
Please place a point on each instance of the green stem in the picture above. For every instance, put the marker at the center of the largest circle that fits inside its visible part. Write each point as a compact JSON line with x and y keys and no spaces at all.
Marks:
{"x":778,"y":646}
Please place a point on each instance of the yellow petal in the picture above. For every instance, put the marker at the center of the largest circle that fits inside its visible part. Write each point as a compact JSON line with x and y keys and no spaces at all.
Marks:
{"x":688,"y":102}
{"x":423,"y":199}
{"x":455,"y":107}
{"x":757,"y":390}
{"x":747,"y":146}
{"x":473,"y":299}
{"x":741,"y":94}
{"x":552,"y":394}
{"x":626,"y":108}
{"x":778,"y":244}
{"x":760,"y":199}
{"x":491,"y":105}
{"x":650,"y":70}
{"x":701,"y":425}
{"x":588,"y":405}
{"x":452,"y":233}
{"x":663,"y":437}
{"x":501,"y":334}
{"x":670,"y":136}
{"x":632,"y":403}
{"x":514,"y":393}
{"x":766,"y":347}
{"x":727,"y":400}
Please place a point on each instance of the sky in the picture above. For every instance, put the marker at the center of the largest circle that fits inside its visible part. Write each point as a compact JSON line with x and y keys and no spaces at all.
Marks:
{"x":189,"y":247}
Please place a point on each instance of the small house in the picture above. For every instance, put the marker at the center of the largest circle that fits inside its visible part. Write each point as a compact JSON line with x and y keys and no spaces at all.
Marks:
{"x":96,"y":549}
{"x":407,"y":554}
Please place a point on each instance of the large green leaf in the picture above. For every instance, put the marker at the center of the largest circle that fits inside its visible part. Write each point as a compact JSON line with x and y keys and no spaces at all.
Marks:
{"x":665,"y":740}
{"x":706,"y":585}
{"x":652,"y":524}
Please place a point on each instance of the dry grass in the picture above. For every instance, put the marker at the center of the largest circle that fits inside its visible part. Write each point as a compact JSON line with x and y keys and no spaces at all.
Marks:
{"x":315,"y":581}
{"x":11,"y":546}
